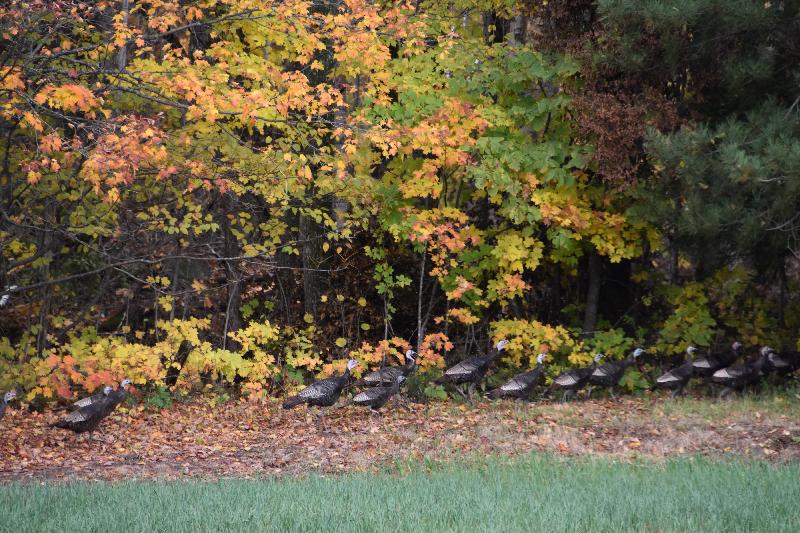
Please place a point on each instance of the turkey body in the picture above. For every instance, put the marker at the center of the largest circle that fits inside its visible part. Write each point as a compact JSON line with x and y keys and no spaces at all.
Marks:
{"x":676,"y":379}
{"x":520,"y":386}
{"x":86,"y":402}
{"x":376,"y":397}
{"x":737,"y":377}
{"x":116,"y":397}
{"x":609,"y":374}
{"x":781,"y":364}
{"x":471,"y":370}
{"x":574,"y":380}
{"x":322,"y":393}
{"x":389,"y":375}
{"x":88,"y":417}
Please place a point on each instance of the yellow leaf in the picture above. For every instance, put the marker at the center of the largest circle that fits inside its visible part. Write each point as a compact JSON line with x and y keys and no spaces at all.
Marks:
{"x":362,"y":301}
{"x":341,"y":343}
{"x":33,"y":121}
{"x":309,"y":318}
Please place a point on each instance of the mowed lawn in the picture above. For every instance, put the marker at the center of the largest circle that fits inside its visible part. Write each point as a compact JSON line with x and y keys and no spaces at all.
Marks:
{"x":534,"y":493}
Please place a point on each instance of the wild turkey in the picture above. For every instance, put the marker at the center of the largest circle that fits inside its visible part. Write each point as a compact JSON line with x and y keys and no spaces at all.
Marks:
{"x":117,"y":397}
{"x":322,"y":393}
{"x":471,"y":370}
{"x":376,"y":397}
{"x":5,"y":298}
{"x":574,"y":380}
{"x":7,"y":397}
{"x":738,"y":377}
{"x":780,"y":364}
{"x":706,"y":366}
{"x":388,"y":375}
{"x":677,"y":378}
{"x":609,"y":374}
{"x":521,"y":385}
{"x":87,"y":418}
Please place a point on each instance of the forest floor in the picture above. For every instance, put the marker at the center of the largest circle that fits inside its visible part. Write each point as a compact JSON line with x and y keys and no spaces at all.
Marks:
{"x":255,"y":439}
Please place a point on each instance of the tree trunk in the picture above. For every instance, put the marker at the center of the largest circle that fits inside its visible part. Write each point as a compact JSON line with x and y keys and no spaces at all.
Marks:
{"x":180,"y":358}
{"x":420,"y":323}
{"x":122,"y":55}
{"x":592,"y":294}
{"x":673,"y":263}
{"x":784,"y":285}
{"x":554,"y":314}
{"x":311,"y":249}
{"x":233,"y":314}
{"x":518,"y":30}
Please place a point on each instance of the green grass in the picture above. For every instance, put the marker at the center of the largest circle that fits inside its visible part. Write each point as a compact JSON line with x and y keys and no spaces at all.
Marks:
{"x":782,"y":402}
{"x":532,"y":494}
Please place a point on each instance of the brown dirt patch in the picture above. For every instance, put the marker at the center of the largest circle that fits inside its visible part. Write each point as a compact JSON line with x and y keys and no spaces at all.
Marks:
{"x":244,"y":439}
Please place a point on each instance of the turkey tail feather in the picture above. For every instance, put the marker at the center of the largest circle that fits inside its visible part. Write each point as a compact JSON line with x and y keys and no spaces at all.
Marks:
{"x":294,"y":401}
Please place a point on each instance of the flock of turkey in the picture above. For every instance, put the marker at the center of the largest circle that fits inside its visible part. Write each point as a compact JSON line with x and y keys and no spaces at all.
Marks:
{"x":381,"y":385}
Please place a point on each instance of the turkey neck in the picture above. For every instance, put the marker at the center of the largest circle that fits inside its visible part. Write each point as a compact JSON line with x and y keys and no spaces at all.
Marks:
{"x":494,"y":354}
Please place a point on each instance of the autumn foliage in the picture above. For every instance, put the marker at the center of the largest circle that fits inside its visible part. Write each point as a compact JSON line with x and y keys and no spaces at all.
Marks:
{"x":272,"y":184}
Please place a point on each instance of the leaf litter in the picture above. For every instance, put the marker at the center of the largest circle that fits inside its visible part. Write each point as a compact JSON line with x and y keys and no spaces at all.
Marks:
{"x":257,"y":438}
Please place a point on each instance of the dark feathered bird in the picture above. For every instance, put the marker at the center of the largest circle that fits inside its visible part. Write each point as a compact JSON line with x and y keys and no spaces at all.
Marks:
{"x":6,"y":298}
{"x":471,"y":370}
{"x":87,"y":418}
{"x":7,"y":397}
{"x":609,"y":374}
{"x":780,"y":364}
{"x":388,"y":375}
{"x":574,"y":380}
{"x":521,"y":385}
{"x":116,"y":397}
{"x":677,"y":378}
{"x":706,"y":366}
{"x":376,"y":397}
{"x":322,"y":393}
{"x":737,"y":377}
